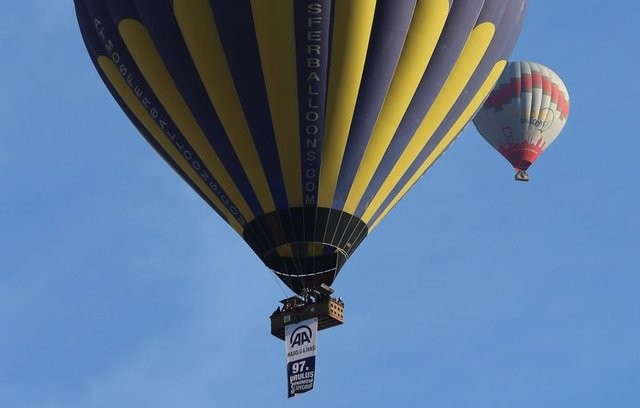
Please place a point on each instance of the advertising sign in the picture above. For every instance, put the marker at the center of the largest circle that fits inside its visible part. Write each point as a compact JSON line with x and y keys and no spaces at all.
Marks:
{"x":300,"y":341}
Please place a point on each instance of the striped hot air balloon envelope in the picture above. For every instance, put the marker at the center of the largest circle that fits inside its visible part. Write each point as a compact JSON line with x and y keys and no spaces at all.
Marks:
{"x":524,"y":113}
{"x":300,"y":122}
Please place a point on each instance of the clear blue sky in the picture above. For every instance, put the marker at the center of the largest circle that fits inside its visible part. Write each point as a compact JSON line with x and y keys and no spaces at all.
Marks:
{"x":120,"y":288}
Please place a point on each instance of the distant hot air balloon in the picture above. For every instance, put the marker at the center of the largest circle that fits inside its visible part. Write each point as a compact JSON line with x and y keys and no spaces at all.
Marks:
{"x":300,"y":122}
{"x":524,"y":113}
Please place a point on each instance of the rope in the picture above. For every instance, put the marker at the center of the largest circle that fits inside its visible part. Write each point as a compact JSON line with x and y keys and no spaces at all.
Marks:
{"x":279,"y":283}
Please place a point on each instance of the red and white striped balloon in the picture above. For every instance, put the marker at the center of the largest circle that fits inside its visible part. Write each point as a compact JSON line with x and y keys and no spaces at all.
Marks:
{"x":524,"y":113}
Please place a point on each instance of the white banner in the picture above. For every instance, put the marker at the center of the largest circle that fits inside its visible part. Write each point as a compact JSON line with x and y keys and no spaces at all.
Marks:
{"x":300,"y":343}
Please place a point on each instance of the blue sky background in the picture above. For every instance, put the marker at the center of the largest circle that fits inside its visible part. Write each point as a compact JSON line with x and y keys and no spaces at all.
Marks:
{"x":120,"y":288}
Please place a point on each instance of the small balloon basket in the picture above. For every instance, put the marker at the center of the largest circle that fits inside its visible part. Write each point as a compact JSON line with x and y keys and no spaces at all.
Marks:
{"x":522,"y":176}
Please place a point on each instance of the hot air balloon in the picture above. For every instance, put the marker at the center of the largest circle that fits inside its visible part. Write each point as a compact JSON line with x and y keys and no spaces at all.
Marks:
{"x":524,"y":114}
{"x":300,"y":122}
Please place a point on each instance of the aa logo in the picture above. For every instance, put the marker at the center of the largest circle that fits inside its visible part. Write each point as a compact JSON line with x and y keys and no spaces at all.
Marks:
{"x":300,"y":336}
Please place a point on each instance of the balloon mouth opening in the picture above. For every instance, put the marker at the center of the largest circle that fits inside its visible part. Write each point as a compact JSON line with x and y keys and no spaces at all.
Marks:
{"x":521,"y":165}
{"x":306,"y":265}
{"x":522,"y":155}
{"x":305,"y":246}
{"x":305,"y":258}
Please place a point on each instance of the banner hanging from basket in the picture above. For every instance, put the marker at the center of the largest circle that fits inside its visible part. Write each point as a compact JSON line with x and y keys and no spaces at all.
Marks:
{"x":300,"y":344}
